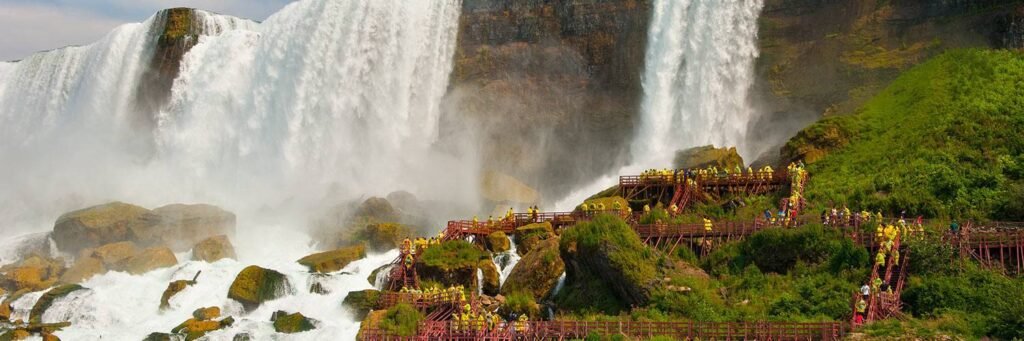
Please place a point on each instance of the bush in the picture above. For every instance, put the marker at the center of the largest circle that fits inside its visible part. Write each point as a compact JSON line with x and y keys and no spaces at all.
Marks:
{"x":455,"y":254}
{"x":519,"y":303}
{"x":402,"y":320}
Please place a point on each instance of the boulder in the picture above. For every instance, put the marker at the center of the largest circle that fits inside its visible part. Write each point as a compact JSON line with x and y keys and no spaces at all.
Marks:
{"x":182,"y":226}
{"x":33,"y":273}
{"x":361,"y":302}
{"x":45,"y":301}
{"x":16,"y":334}
{"x":194,"y":329}
{"x":206,"y":314}
{"x":536,"y":273}
{"x":50,"y":337}
{"x":103,"y":224}
{"x":112,"y":253}
{"x":255,"y":285}
{"x":293,"y":323}
{"x":213,"y":249}
{"x":451,"y":263}
{"x":148,"y":260}
{"x":159,"y":337}
{"x":498,"y":242}
{"x":376,"y":210}
{"x":607,"y":251}
{"x":83,"y":269}
{"x":492,"y":279}
{"x":530,"y":235}
{"x":335,"y":260}
{"x":378,"y":237}
{"x":707,"y":156}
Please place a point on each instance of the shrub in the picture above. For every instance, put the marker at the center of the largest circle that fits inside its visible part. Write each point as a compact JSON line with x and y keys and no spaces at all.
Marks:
{"x":402,"y":320}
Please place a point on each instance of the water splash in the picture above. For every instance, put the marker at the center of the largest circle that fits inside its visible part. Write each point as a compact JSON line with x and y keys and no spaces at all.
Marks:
{"x":699,"y":69}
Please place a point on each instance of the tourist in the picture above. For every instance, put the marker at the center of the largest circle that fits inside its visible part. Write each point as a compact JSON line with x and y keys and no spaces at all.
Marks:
{"x":865,"y":290}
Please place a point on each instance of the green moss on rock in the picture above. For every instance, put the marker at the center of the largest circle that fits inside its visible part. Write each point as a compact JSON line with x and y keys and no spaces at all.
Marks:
{"x":498,"y":242}
{"x":255,"y":285}
{"x":45,"y":301}
{"x":335,"y":260}
{"x":293,"y":323}
{"x":361,"y":302}
{"x":401,"y":320}
{"x":537,"y":273}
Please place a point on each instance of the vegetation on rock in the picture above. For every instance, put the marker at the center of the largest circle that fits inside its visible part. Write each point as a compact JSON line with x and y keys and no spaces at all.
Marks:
{"x":255,"y":285}
{"x":361,"y":302}
{"x":293,"y":323}
{"x":536,"y":273}
{"x":45,"y":301}
{"x":332,"y":261}
{"x":707,"y":156}
{"x":498,"y":242}
{"x":401,"y":320}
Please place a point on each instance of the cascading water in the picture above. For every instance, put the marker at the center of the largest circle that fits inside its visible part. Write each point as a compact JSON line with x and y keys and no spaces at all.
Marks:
{"x":698,"y":71}
{"x":506,"y":261}
{"x":699,"y":68}
{"x":324,"y":96}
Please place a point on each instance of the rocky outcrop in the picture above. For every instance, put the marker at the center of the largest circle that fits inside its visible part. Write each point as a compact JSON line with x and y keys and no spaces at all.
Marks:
{"x":377,"y":237}
{"x":292,"y":323}
{"x":100,"y":225}
{"x":491,"y":281}
{"x":255,"y":285}
{"x":332,"y":261}
{"x":361,"y":302}
{"x":148,"y":260}
{"x":498,"y":242}
{"x":182,"y":226}
{"x":607,"y":249}
{"x":708,"y":156}
{"x":202,"y":322}
{"x":376,"y":210}
{"x":213,"y":249}
{"x":176,"y":226}
{"x":45,"y":301}
{"x":452,"y":263}
{"x":538,"y":272}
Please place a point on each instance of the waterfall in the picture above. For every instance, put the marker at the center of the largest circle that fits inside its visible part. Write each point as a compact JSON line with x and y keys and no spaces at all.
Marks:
{"x":325,"y":96}
{"x":506,"y":261}
{"x":699,"y":69}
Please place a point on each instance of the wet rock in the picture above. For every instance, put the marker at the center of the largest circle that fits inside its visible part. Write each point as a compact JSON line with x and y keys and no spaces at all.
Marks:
{"x":378,"y":237}
{"x":361,"y":302}
{"x":213,"y":249}
{"x":50,"y":337}
{"x":491,"y":279}
{"x":242,"y":337}
{"x":293,"y":323}
{"x":332,"y":261}
{"x":708,"y":156}
{"x":103,"y":224}
{"x":148,"y":260}
{"x":34,"y":273}
{"x":255,"y":285}
{"x":376,"y":210}
{"x":159,"y":337}
{"x":112,"y":253}
{"x":536,"y":273}
{"x":16,"y":334}
{"x":206,"y":314}
{"x":182,"y":226}
{"x":530,"y":235}
{"x":451,"y":263}
{"x":174,"y":288}
{"x":194,"y":329}
{"x":498,"y":242}
{"x":45,"y":301}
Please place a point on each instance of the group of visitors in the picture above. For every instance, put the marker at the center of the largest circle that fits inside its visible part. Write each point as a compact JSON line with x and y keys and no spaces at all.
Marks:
{"x":468,"y":321}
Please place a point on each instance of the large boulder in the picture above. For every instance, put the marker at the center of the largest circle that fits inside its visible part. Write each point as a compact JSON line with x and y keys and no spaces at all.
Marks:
{"x":45,"y":301}
{"x":538,"y":272}
{"x":83,"y":269}
{"x":376,"y":210}
{"x":491,"y":277}
{"x":213,"y":249}
{"x":112,"y":253}
{"x":607,"y":251}
{"x":377,"y":236}
{"x":498,"y":242}
{"x":205,"y":314}
{"x":148,"y":260}
{"x":194,"y":328}
{"x":708,"y":156}
{"x":361,"y":302}
{"x":33,"y":273}
{"x":451,"y":263}
{"x":255,"y":285}
{"x":530,"y":235}
{"x":103,"y":224}
{"x":292,"y":323}
{"x":335,"y":260}
{"x":182,"y":226}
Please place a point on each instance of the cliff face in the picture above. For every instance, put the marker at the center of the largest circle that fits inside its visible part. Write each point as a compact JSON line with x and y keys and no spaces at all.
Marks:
{"x":549,"y":84}
{"x":174,"y":32}
{"x":829,"y":57}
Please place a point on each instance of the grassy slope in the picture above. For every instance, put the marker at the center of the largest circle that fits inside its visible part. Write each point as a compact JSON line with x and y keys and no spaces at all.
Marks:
{"x":944,"y":140}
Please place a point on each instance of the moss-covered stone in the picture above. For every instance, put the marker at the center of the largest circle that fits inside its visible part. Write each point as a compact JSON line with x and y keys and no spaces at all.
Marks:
{"x":194,"y":329}
{"x":35,"y":273}
{"x":148,"y":260}
{"x":498,"y":242}
{"x":112,"y":253}
{"x":530,"y":235}
{"x":205,"y":314}
{"x":607,"y":248}
{"x":173,"y":288}
{"x":255,"y":285}
{"x":45,"y":301}
{"x":159,"y":337}
{"x":376,"y":210}
{"x":332,"y":261}
{"x":451,"y":263}
{"x":491,"y":277}
{"x":15,"y":335}
{"x":401,"y":320}
{"x":537,"y":273}
{"x":293,"y":323}
{"x":361,"y":302}
{"x":99,"y":225}
{"x":213,"y":249}
{"x":708,"y":156}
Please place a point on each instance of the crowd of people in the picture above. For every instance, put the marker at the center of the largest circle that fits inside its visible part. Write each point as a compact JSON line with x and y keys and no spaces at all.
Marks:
{"x":710,"y":172}
{"x":467,"y":321}
{"x":887,"y":237}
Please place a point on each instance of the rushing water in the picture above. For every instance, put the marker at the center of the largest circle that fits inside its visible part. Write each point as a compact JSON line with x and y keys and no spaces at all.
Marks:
{"x":699,"y":68}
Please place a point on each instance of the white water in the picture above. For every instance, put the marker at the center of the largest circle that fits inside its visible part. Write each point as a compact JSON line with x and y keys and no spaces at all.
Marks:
{"x":699,"y":68}
{"x":326,"y":98}
{"x":506,"y":261}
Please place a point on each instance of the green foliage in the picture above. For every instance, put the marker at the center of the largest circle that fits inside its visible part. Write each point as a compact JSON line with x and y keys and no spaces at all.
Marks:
{"x":942,"y":140}
{"x":519,"y":303}
{"x":629,"y":253}
{"x":402,"y":320}
{"x":457,"y":254}
{"x":988,"y":303}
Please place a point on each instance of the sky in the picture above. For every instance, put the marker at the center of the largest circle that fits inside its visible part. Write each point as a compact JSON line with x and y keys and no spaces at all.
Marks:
{"x":29,"y":26}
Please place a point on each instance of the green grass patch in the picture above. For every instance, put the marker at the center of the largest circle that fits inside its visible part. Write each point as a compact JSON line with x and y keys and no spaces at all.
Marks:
{"x":457,"y":254}
{"x":402,"y":320}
